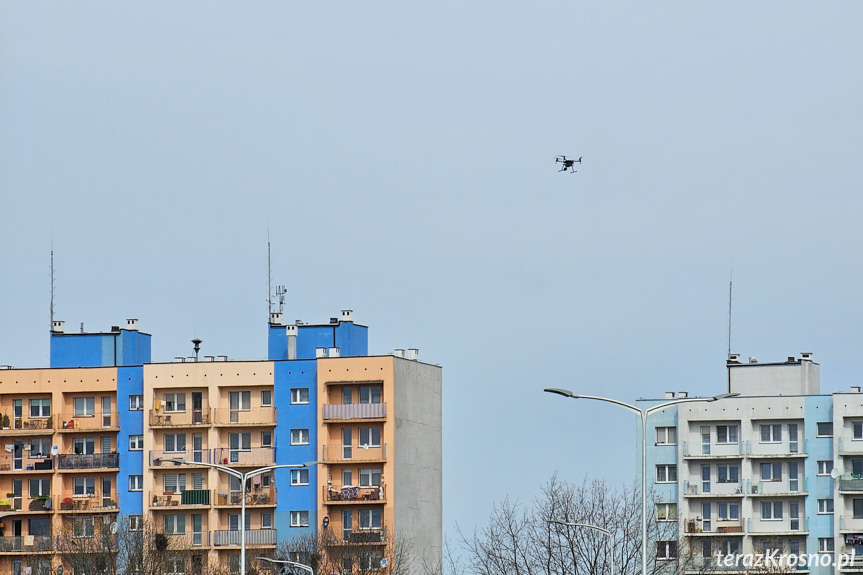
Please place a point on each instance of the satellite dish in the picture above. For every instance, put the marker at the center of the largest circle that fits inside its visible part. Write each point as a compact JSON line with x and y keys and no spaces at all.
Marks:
{"x":384,"y":563}
{"x":47,"y":504}
{"x":114,"y":528}
{"x":326,"y":522}
{"x":55,"y":449}
{"x":834,"y":473}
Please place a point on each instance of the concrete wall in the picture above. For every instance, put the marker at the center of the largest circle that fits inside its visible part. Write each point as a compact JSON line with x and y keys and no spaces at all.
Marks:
{"x":800,"y":377}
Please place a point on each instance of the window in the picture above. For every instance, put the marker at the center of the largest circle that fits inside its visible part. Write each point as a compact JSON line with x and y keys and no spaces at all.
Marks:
{"x":347,"y":395}
{"x":299,"y":395}
{"x":175,"y":482}
{"x":40,"y":447}
{"x":40,"y":487}
{"x":266,"y":398}
{"x":666,"y":550}
{"x":266,"y":439}
{"x":666,"y":511}
{"x":370,"y":477}
{"x":136,"y":483}
{"x":175,"y":442}
{"x":726,"y":434}
{"x":728,"y":473}
{"x":771,"y":472}
{"x":729,"y":511}
{"x":370,"y":518}
{"x":857,"y":426}
{"x":666,"y":436}
{"x":370,"y":436}
{"x":299,"y":518}
{"x":299,"y":476}
{"x":175,"y":402}
{"x":136,"y":402}
{"x":771,"y":510}
{"x":84,"y":446}
{"x":666,"y":473}
{"x":40,"y":407}
{"x":370,"y":394}
{"x":136,"y":522}
{"x":82,"y":527}
{"x":266,"y":521}
{"x":825,"y":467}
{"x":241,"y":400}
{"x":858,"y":508}
{"x":825,"y":545}
{"x":825,"y":506}
{"x":175,"y":524}
{"x":771,"y":433}
{"x":84,"y":486}
{"x":825,"y":429}
{"x":175,"y":565}
{"x":84,"y":406}
{"x":299,"y":437}
{"x":136,"y":442}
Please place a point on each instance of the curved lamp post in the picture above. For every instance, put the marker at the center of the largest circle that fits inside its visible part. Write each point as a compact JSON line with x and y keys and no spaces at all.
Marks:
{"x":243,"y":477}
{"x":606,"y":531}
{"x":642,"y":413}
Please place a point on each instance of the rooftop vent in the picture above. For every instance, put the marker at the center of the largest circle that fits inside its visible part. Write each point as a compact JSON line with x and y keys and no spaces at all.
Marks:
{"x":58,"y":326}
{"x":399,"y":352}
{"x":413,"y":354}
{"x":291,"y":330}
{"x":682,"y":394}
{"x":669,"y":395}
{"x":806,"y":356}
{"x":132,"y":324}
{"x":115,"y":329}
{"x":753,"y":360}
{"x":320,"y":352}
{"x":347,"y":315}
{"x":221,"y":358}
{"x":209,"y":358}
{"x":791,"y":359}
{"x":179,"y":359}
{"x":733,"y":358}
{"x":855,"y":389}
{"x":334,"y":320}
{"x":5,"y":367}
{"x":275,"y":318}
{"x":333,"y":352}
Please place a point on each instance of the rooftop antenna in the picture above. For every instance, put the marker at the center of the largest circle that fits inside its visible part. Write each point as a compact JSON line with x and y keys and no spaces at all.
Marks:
{"x":730,"y":284}
{"x":197,"y":343}
{"x":269,"y":278}
{"x":52,"y":285}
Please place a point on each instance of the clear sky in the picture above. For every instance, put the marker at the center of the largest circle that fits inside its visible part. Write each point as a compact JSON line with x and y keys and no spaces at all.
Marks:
{"x":400,"y":157}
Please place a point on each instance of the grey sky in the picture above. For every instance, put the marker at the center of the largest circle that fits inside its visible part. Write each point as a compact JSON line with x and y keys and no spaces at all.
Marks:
{"x":401,"y":156}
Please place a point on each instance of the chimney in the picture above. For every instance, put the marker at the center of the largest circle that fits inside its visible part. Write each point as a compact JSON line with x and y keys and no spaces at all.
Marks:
{"x":399,"y":352}
{"x":669,"y":395}
{"x":58,"y":326}
{"x":333,"y":352}
{"x":413,"y":354}
{"x":753,"y":360}
{"x":334,"y":320}
{"x":733,"y":358}
{"x":806,"y":356}
{"x":115,"y":329}
{"x":221,"y":358}
{"x":275,"y":318}
{"x":132,"y":324}
{"x":682,"y":394}
{"x":320,"y":352}
{"x":855,"y":389}
{"x":347,"y":315}
{"x":291,"y":331}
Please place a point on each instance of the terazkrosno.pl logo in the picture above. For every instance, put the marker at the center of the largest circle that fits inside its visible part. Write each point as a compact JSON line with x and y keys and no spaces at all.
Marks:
{"x":774,"y":559}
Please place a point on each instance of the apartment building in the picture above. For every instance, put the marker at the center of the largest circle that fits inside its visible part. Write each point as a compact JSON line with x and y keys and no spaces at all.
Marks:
{"x":778,"y":467}
{"x":103,"y":434}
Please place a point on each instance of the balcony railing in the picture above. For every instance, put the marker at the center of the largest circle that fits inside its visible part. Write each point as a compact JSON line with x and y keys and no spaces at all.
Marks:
{"x":33,"y":424}
{"x":848,"y":446}
{"x":101,"y":501}
{"x":353,"y":493}
{"x":337,"y":453}
{"x":184,"y":541}
{"x":258,"y":456}
{"x":27,"y":544}
{"x":712,"y":450}
{"x":188,"y":418}
{"x":253,"y":537}
{"x":257,"y":496}
{"x":364,"y":535}
{"x":849,"y":483}
{"x":354,"y":411}
{"x":90,"y":461}
{"x":256,"y":416}
{"x":187,"y":498}
{"x":157,"y":457}
{"x":72,"y":422}
{"x":783,"y":449}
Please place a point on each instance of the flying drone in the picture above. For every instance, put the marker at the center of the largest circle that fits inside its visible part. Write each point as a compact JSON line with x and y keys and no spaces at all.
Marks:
{"x":567,"y":163}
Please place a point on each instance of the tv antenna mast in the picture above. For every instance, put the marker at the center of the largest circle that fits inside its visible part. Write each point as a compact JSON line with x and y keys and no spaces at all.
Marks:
{"x":280,"y":289}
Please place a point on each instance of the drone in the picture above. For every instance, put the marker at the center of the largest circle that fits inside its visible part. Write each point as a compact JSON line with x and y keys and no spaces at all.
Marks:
{"x":567,"y":163}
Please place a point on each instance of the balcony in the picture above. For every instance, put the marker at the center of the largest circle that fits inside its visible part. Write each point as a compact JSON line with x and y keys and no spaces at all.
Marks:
{"x":717,"y":527}
{"x":254,"y":537}
{"x":757,"y":526}
{"x":354,"y":494}
{"x":190,"y":418}
{"x":256,"y":456}
{"x":239,"y":417}
{"x":186,"y":541}
{"x":29,"y":464}
{"x":68,"y":422}
{"x":360,"y":536}
{"x":349,"y":453}
{"x":693,"y":450}
{"x":781,"y":488}
{"x":715,"y":489}
{"x":157,"y":457}
{"x":258,"y":496}
{"x":25,"y":427}
{"x":850,"y":484}
{"x":339,"y":412}
{"x":710,"y":565}
{"x":848,"y":446}
{"x":183,"y":499}
{"x":27,"y":544}
{"x":92,"y":503}
{"x":67,"y":462}
{"x":781,"y":449}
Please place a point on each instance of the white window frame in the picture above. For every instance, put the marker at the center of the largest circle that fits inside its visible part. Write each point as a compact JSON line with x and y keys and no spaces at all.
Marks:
{"x":857,"y":430}
{"x":136,"y":443}
{"x":136,"y":403}
{"x":367,"y":476}
{"x":43,"y":407}
{"x":371,"y":519}
{"x":266,"y":398}
{"x":266,"y":439}
{"x":825,"y":466}
{"x":299,"y":437}
{"x":772,"y":510}
{"x":774,"y":471}
{"x":83,"y":528}
{"x":88,"y":407}
{"x":299,"y":477}
{"x":136,"y":483}
{"x":172,"y":402}
{"x":774,"y":433}
{"x":731,"y":432}
{"x":664,"y":471}
{"x":818,"y":432}
{"x":370,"y":439}
{"x":825,"y":506}
{"x":728,"y":467}
{"x":299,"y":396}
{"x":666,"y":435}
{"x":266,"y":520}
{"x":666,"y":512}
{"x":84,"y":486}
{"x":826,"y":545}
{"x":299,"y":518}
{"x":136,"y":522}
{"x":728,"y":511}
{"x":666,"y":550}
{"x":175,"y":448}
{"x":175,"y":524}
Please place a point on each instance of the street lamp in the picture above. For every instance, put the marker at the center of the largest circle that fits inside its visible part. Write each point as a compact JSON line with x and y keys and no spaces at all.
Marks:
{"x":285,"y":562}
{"x":642,"y":413}
{"x":606,"y":531}
{"x":243,"y":477}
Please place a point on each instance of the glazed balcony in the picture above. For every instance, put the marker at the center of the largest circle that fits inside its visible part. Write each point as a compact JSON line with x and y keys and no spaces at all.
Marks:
{"x":71,"y":462}
{"x":188,"y":418}
{"x":349,"y":453}
{"x":69,"y":422}
{"x":354,"y":494}
{"x":256,"y":456}
{"x":157,"y":457}
{"x":259,"y":496}
{"x":27,"y":544}
{"x":363,"y":411}
{"x":245,"y":417}
{"x":184,"y":499}
{"x":254,"y":537}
